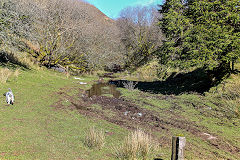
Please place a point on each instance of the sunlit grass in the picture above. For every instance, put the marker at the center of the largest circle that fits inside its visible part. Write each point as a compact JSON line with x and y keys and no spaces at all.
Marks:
{"x":6,"y":73}
{"x":34,"y":129}
{"x":95,"y":138}
{"x":137,"y":145}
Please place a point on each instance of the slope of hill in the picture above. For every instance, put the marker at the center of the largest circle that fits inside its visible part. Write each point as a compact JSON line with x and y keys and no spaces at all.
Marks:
{"x":96,"y":13}
{"x":67,"y":29}
{"x":52,"y":115}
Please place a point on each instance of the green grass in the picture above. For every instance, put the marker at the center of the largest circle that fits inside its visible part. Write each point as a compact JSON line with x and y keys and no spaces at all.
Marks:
{"x":34,"y":129}
{"x":201,"y":110}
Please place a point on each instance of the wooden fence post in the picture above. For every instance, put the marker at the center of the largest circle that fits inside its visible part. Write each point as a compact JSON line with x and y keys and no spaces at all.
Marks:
{"x":178,"y":144}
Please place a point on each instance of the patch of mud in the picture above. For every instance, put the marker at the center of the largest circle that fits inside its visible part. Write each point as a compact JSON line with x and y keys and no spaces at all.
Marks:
{"x":127,"y":113}
{"x":124,"y":113}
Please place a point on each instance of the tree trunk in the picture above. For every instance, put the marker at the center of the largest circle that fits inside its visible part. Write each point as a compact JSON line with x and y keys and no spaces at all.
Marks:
{"x":222,"y":72}
{"x":225,"y":67}
{"x":233,"y":65}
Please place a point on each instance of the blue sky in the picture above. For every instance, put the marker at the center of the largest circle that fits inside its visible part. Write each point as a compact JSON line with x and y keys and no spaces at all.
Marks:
{"x":112,"y":7}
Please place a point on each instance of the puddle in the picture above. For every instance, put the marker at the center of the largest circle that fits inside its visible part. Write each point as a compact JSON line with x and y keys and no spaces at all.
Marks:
{"x":103,"y":88}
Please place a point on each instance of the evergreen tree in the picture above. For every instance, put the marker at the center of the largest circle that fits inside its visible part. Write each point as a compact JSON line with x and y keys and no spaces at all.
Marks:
{"x":174,"y":25}
{"x":203,"y":33}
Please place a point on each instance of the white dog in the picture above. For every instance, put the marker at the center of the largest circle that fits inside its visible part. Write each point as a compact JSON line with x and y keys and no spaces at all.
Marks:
{"x":9,"y":97}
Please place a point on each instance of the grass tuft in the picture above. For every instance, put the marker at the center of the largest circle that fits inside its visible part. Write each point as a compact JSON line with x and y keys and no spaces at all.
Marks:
{"x":6,"y":73}
{"x":130,"y":85}
{"x":16,"y":72}
{"x":29,"y":62}
{"x":95,"y":138}
{"x":137,"y":144}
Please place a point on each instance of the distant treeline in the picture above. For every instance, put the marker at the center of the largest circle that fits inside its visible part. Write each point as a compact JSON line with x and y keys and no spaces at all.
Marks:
{"x":73,"y":33}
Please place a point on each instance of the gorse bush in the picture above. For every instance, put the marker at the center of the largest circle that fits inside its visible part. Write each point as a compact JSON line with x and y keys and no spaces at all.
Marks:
{"x":234,"y":106}
{"x":232,"y":89}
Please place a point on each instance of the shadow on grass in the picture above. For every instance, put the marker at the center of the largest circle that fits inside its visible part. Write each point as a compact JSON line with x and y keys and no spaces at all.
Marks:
{"x":195,"y":81}
{"x":8,"y":60}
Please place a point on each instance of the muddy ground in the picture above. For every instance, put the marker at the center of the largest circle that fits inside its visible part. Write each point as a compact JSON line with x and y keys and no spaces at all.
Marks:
{"x":129,"y":115}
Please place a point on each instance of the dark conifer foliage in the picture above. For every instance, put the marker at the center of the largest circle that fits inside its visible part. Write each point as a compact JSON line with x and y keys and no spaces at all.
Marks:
{"x":202,"y":33}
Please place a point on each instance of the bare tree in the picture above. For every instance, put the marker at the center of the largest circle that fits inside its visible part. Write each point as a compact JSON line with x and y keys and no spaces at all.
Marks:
{"x":14,"y":25}
{"x":139,"y":33}
{"x":55,"y":29}
{"x":71,"y":30}
{"x":67,"y":32}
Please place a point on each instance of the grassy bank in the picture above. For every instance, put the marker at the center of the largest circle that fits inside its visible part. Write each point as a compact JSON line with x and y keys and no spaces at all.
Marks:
{"x":32,"y":129}
{"x":51,"y":118}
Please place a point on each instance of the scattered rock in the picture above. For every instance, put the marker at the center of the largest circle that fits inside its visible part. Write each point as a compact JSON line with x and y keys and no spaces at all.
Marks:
{"x":126,"y":113}
{"x":59,"y":69}
{"x":78,"y":78}
{"x":209,"y":136}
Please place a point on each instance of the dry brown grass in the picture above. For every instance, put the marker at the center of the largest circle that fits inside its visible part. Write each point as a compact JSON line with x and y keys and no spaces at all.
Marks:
{"x":95,"y":138}
{"x":130,"y":85}
{"x":29,"y":62}
{"x":137,"y":145}
{"x":5,"y":74}
{"x":16,"y":72}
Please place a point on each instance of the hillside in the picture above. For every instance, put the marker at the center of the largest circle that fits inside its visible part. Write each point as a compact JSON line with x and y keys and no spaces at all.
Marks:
{"x":52,"y":115}
{"x":96,"y":14}
{"x":67,"y":32}
{"x":67,"y":106}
